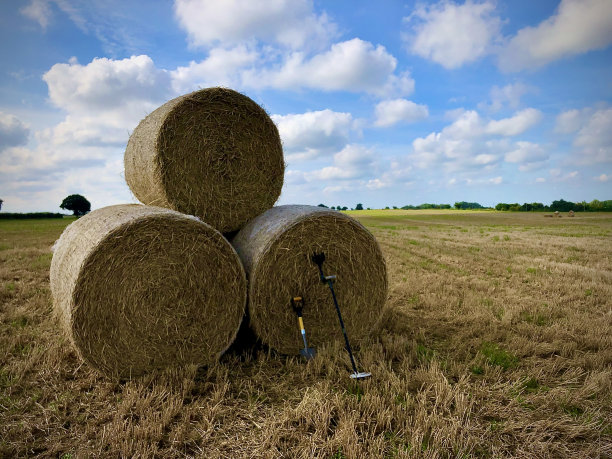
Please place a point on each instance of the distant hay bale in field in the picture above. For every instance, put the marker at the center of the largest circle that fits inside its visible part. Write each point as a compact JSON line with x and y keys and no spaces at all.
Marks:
{"x":557,"y":214}
{"x":213,"y":153}
{"x":140,"y":288}
{"x":570,"y":213}
{"x":276,"y":249}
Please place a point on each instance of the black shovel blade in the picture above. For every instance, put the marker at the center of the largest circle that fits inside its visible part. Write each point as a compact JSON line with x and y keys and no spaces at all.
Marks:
{"x":308,"y":353}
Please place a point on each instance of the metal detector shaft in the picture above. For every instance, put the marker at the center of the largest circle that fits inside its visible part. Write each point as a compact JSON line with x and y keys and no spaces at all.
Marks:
{"x":329,"y":282}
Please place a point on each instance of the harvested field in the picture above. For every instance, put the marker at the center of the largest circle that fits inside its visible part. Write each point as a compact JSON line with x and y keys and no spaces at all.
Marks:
{"x":496,"y":342}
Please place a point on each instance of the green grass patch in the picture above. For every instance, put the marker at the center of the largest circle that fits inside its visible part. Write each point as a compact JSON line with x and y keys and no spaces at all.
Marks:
{"x":6,"y":379}
{"x":401,"y":401}
{"x":496,"y":425}
{"x":424,"y":354}
{"x":21,"y":349}
{"x":531,"y":385}
{"x":354,"y":389}
{"x":532,"y":270}
{"x":535,"y":318}
{"x":497,"y":356}
{"x":19,"y":322}
{"x":42,"y":261}
{"x":573,"y":410}
{"x":397,"y":444}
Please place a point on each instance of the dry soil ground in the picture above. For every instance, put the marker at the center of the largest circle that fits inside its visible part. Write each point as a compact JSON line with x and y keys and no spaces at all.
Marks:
{"x":496,"y":342}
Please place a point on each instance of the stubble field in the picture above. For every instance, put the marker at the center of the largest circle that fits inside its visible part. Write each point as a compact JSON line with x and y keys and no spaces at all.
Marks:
{"x":496,"y":342}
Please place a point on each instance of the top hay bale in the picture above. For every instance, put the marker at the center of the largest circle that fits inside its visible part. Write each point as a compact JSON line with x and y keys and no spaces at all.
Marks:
{"x":276,"y":249}
{"x":140,"y":288}
{"x":213,"y":153}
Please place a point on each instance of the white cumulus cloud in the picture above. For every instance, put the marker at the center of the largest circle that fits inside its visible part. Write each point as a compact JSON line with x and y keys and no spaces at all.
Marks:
{"x":221,"y":68}
{"x":528,"y":155}
{"x":354,"y":65}
{"x":105,"y":98}
{"x":471,"y":143}
{"x":13,"y":131}
{"x":291,"y":23}
{"x":576,"y":27}
{"x":352,"y":162}
{"x":594,"y":139}
{"x":452,"y":34}
{"x":311,"y":134}
{"x":516,"y":124}
{"x":390,"y":112}
{"x":39,"y":11}
{"x":509,"y":95}
{"x":570,"y":121}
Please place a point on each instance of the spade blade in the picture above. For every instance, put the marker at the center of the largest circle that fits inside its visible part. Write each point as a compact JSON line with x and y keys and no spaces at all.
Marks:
{"x":308,"y":353}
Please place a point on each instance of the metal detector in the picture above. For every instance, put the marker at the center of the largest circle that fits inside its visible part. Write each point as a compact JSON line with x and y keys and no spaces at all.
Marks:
{"x":318,"y":259}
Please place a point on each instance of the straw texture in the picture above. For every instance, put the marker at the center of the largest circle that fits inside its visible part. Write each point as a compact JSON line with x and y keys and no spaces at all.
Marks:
{"x":139,"y":288}
{"x":213,"y":153}
{"x":276,"y":249}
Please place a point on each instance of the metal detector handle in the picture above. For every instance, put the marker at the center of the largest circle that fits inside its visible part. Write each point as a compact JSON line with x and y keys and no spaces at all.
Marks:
{"x":319,"y":258}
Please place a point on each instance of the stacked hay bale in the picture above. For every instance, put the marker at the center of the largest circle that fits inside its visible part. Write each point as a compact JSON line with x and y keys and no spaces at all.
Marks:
{"x":213,"y":153}
{"x":139,"y":287}
{"x":276,"y":249}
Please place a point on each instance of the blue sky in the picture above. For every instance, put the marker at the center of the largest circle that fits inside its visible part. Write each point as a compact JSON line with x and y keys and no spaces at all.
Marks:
{"x":382,"y":103}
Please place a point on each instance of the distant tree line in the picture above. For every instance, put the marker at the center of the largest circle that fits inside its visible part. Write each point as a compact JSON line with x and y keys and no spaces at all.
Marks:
{"x":468,"y":205}
{"x":458,"y":205}
{"x":560,"y":205}
{"x":9,"y":215}
{"x":427,"y":206}
{"x":557,"y":206}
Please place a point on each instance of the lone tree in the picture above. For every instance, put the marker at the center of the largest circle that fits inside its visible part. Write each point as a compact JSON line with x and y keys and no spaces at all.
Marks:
{"x":77,"y":204}
{"x":359,"y":206}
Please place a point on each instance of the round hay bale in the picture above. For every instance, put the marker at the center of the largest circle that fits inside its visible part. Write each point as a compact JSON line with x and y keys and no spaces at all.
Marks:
{"x":276,"y":249}
{"x":140,"y":288}
{"x":213,"y":153}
